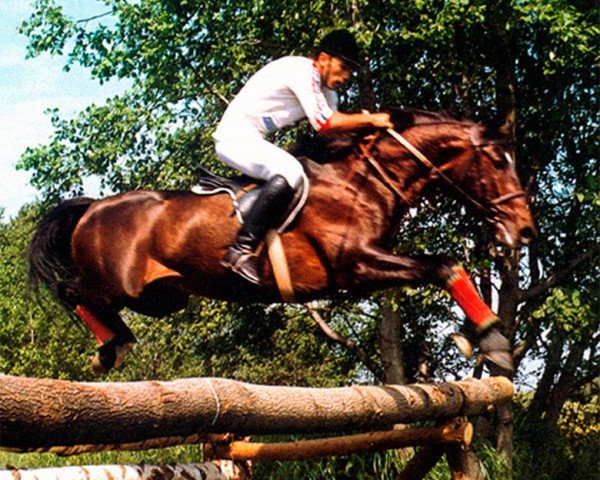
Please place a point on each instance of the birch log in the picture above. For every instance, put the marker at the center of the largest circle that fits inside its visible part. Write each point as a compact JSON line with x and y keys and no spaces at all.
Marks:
{"x":41,"y":413}
{"x":198,"y":471}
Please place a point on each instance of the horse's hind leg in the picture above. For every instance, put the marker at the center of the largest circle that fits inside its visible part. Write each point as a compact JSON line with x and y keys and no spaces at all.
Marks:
{"x":114,"y":338}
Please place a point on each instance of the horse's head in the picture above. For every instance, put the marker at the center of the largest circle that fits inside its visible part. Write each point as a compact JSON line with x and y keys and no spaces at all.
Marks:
{"x":489,"y":176}
{"x":474,"y":163}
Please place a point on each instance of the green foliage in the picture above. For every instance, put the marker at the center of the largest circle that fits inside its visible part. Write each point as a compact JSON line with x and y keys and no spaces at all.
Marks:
{"x":580,"y":423}
{"x":180,"y":454}
{"x":544,"y":452}
{"x":274,"y":345}
{"x":570,"y":314}
{"x":353,"y":467}
{"x":35,"y":341}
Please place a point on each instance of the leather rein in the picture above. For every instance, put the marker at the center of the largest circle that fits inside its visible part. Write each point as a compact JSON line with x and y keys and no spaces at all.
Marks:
{"x":492,"y":212}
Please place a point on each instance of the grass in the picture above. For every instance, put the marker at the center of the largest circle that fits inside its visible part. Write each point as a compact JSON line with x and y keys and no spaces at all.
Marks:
{"x":180,"y":454}
{"x":540,"y":454}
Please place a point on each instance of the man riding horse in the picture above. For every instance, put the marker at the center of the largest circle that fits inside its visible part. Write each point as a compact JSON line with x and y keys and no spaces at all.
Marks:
{"x":277,"y":96}
{"x":150,"y":250}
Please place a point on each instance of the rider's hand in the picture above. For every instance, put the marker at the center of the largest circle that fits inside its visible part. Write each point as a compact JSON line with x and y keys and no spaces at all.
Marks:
{"x":381,"y":120}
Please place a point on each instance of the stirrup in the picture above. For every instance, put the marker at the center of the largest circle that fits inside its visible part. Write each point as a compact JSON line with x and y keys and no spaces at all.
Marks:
{"x":243,"y":263}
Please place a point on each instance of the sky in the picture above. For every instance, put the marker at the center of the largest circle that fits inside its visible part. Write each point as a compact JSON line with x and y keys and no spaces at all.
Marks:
{"x":28,"y":87}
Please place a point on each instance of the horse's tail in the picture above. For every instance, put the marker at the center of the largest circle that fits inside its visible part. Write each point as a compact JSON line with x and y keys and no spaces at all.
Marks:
{"x":49,"y":252}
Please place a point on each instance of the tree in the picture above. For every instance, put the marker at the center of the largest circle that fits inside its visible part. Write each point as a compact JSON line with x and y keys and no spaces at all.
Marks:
{"x":32,"y":338}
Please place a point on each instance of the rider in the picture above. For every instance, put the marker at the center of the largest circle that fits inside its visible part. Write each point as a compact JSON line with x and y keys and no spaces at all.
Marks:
{"x":277,"y":96}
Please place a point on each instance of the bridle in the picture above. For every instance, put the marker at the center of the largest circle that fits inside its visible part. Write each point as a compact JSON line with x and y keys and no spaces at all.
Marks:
{"x":492,"y":212}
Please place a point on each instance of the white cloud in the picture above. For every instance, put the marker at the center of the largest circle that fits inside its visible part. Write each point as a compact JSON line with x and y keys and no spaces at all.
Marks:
{"x":12,"y":56}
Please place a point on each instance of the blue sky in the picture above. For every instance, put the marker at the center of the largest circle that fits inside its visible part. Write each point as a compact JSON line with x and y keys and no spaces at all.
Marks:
{"x":29,"y":87}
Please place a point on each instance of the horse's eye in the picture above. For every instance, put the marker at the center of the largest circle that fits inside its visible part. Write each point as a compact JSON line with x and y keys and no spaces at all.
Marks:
{"x":504,"y":160}
{"x":500,"y":157}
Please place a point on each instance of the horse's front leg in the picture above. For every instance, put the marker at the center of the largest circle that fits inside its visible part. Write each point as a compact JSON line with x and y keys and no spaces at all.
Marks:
{"x":382,"y":269}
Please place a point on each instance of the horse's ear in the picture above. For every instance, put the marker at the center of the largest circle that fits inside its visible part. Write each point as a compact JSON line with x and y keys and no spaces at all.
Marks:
{"x":497,"y":131}
{"x":506,"y":130}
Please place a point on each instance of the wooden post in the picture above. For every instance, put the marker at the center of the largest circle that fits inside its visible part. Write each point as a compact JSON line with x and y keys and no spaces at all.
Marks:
{"x":429,"y":455}
{"x":463,"y":463}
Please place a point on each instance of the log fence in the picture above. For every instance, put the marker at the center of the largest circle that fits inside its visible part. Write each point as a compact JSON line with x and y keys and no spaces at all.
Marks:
{"x":68,"y":418}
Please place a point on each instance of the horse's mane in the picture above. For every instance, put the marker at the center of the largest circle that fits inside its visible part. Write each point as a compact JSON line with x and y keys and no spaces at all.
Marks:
{"x":325,"y":148}
{"x":404,"y":118}
{"x":321,"y":148}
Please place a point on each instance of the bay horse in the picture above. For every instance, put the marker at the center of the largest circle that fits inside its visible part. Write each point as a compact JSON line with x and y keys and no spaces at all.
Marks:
{"x":150,"y":250}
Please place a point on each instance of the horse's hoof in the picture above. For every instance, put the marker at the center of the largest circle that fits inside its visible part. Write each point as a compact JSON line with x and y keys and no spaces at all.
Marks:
{"x":496,"y":350}
{"x":463,"y":344}
{"x":97,"y":366}
{"x":110,"y":355}
{"x":106,"y":357}
{"x":500,"y":363}
{"x":120,"y":352}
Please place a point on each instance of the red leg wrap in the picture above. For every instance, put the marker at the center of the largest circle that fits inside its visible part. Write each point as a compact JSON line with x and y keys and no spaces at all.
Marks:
{"x":100,"y":331}
{"x":465,"y":293}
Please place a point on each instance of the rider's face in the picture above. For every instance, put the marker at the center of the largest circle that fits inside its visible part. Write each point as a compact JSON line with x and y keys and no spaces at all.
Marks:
{"x":334,"y":71}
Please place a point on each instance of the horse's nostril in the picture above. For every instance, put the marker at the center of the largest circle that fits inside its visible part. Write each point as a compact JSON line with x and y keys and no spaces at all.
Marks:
{"x":527,"y":233}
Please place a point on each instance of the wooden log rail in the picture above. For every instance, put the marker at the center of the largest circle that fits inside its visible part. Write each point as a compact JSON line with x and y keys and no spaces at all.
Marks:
{"x":457,"y":432}
{"x":40,"y":413}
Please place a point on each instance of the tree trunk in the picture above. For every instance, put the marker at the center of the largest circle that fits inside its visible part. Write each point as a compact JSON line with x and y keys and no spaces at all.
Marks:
{"x":366,"y":93}
{"x":566,"y":383}
{"x":390,"y":343}
{"x":503,"y":58}
{"x":539,"y":404}
{"x":40,"y":413}
{"x":507,"y":311}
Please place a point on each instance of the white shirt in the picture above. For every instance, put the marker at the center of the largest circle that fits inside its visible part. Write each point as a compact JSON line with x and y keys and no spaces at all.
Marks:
{"x":277,"y":96}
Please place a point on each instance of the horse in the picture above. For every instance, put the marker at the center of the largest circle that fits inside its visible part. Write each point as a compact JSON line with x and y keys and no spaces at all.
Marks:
{"x":148,"y":251}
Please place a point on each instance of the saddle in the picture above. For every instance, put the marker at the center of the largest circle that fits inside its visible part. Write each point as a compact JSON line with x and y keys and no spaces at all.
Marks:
{"x":244,"y":191}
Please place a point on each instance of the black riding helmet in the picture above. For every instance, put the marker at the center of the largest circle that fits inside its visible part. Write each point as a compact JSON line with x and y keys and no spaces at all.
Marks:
{"x":341,"y":43}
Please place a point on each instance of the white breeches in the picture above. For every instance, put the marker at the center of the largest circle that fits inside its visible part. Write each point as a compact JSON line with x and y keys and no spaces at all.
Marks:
{"x":258,"y":158}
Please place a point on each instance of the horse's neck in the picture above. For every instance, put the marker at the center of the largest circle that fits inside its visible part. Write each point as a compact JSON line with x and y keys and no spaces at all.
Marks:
{"x":400,"y":171}
{"x":416,"y":170}
{"x":350,"y":183}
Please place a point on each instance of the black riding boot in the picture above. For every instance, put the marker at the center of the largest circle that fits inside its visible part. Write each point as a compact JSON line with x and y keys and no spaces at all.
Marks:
{"x":266,"y":213}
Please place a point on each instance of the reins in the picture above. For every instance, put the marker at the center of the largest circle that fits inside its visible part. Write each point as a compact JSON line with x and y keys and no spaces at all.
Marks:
{"x":366,"y":154}
{"x":425,"y":161}
{"x":492,"y":211}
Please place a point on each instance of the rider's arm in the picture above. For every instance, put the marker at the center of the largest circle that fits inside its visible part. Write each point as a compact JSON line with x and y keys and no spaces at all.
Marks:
{"x":339,"y":121}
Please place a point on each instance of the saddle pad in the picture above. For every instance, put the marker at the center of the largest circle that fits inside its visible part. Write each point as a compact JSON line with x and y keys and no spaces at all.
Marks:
{"x":244,"y":191}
